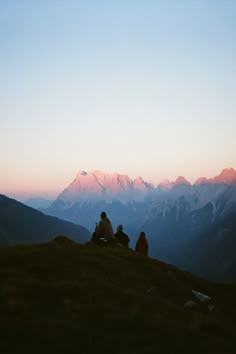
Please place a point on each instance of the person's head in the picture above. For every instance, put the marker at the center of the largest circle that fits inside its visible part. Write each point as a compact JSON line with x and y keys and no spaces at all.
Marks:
{"x":142,"y":234}
{"x":103,"y":215}
{"x":120,"y":227}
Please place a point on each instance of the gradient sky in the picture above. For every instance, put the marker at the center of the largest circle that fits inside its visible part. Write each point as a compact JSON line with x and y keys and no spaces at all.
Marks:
{"x":134,"y":87}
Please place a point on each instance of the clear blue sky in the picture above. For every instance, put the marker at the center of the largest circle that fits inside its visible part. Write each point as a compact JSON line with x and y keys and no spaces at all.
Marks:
{"x":134,"y":87}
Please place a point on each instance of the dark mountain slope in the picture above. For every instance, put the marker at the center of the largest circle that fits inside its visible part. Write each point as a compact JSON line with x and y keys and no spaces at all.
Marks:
{"x":22,"y":224}
{"x":213,"y":253}
{"x":63,"y":297}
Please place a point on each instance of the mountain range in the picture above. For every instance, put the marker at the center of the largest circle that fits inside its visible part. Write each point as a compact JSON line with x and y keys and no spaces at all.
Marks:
{"x":97,"y":185}
{"x":173,"y":214}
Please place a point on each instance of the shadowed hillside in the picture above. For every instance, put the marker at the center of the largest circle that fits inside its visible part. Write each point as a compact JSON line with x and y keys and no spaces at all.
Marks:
{"x":212,"y":254}
{"x":22,"y":224}
{"x":63,"y":297}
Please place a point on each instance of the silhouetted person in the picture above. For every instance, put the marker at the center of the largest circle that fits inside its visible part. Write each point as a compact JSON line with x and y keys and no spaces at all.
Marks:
{"x":104,"y":228}
{"x":121,"y":237}
{"x":142,"y":244}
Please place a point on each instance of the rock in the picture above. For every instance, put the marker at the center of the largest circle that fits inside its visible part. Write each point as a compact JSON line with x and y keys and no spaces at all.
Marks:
{"x":200,"y":296}
{"x":190,"y":304}
{"x":211,"y":308}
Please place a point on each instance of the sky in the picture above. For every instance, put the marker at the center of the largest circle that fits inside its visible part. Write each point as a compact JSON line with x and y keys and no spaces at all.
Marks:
{"x":137,"y":87}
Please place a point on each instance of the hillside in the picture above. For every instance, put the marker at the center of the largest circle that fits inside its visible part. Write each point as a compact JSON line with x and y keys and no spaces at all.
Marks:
{"x":212,"y":254}
{"x":63,"y":297}
{"x":22,"y":224}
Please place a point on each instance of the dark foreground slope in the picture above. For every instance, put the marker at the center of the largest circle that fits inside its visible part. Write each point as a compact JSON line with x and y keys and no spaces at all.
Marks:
{"x":22,"y":224}
{"x":63,"y":297}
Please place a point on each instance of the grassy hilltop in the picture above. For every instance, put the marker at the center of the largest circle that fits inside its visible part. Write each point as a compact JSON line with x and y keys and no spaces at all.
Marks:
{"x":63,"y":297}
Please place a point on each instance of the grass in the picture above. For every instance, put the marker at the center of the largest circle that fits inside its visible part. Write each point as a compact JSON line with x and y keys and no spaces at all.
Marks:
{"x":62,"y":297}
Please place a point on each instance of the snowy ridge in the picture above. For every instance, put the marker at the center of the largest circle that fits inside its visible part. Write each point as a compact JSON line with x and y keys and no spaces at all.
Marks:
{"x":193,"y":198}
{"x":97,"y":185}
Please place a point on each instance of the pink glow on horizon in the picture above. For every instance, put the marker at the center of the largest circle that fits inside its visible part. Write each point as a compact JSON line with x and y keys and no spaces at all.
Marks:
{"x":25,"y":188}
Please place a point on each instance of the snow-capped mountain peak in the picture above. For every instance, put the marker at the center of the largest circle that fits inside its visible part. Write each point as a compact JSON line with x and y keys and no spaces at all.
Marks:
{"x":181,"y":181}
{"x":227,"y":176}
{"x":100,"y":185}
{"x":140,"y":184}
{"x":165,"y":185}
{"x":201,"y":180}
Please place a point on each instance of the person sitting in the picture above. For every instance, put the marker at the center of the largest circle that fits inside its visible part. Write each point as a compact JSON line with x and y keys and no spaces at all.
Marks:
{"x":104,"y":229}
{"x":142,"y":244}
{"x":121,"y":237}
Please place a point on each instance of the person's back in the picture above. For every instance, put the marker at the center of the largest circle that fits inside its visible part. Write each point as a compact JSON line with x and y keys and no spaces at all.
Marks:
{"x":104,"y":228}
{"x":121,"y":237}
{"x":142,"y":244}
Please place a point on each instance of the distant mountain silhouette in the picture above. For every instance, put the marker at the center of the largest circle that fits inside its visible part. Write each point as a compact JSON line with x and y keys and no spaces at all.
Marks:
{"x":22,"y":224}
{"x":38,"y":203}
